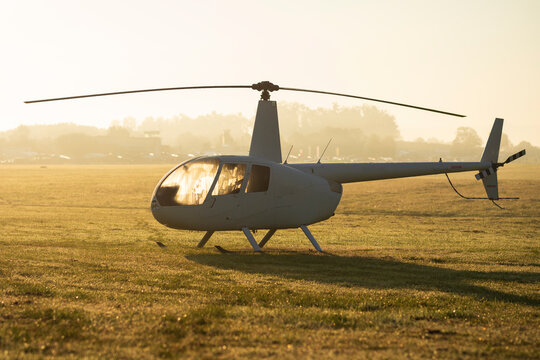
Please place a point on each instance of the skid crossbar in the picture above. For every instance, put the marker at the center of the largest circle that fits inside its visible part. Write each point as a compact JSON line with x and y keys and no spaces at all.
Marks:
{"x":267,"y":237}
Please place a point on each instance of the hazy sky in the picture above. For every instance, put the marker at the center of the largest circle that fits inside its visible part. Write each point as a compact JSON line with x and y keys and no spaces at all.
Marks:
{"x":479,"y":58}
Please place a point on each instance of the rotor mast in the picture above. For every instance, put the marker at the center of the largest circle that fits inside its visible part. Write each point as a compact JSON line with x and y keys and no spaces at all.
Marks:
{"x":265,"y":140}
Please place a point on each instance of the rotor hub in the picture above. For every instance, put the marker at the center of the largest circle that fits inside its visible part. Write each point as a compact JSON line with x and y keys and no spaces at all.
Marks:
{"x":265,"y":87}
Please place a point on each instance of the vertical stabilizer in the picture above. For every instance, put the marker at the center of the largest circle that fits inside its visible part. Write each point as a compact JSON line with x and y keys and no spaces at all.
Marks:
{"x":265,"y":142}
{"x":491,"y":152}
{"x":491,"y":186}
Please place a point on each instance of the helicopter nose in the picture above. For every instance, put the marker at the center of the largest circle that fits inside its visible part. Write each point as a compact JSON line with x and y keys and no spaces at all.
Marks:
{"x":156,"y":209}
{"x":154,"y":203}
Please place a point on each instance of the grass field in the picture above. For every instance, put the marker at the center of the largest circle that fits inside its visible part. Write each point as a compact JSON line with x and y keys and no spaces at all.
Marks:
{"x":412,"y":271}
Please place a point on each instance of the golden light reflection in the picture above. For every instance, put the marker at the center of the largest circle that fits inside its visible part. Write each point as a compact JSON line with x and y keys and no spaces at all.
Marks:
{"x":189,"y":184}
{"x":230,"y":180}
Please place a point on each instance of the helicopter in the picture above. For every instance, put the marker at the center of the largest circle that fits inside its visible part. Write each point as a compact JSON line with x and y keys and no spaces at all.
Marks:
{"x":260,"y":191}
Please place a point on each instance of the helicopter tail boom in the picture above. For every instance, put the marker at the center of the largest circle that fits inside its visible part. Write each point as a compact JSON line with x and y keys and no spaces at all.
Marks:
{"x":487,"y":167}
{"x":356,"y":172}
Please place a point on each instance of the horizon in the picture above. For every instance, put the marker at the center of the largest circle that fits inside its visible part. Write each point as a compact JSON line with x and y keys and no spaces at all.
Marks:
{"x":118,"y":122}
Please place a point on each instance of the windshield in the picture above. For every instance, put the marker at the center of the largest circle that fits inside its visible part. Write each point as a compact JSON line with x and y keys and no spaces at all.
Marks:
{"x":189,"y":184}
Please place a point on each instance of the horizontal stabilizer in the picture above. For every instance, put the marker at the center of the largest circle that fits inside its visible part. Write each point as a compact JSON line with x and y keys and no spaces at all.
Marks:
{"x":485,"y":173}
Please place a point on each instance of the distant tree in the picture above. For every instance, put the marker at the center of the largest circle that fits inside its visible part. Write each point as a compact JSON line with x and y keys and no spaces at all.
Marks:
{"x":466,"y":145}
{"x":76,"y":145}
{"x":533,"y":153}
{"x":377,"y":147}
{"x":129,"y":123}
{"x":370,"y":120}
{"x":209,"y":126}
{"x":505,"y":143}
{"x":52,"y":131}
{"x":350,"y":141}
{"x":378,"y":122}
{"x":189,"y":143}
{"x":21,"y":135}
{"x":467,"y":136}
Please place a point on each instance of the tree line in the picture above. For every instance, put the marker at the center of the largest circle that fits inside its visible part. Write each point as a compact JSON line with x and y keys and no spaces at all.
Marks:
{"x":359,"y":133}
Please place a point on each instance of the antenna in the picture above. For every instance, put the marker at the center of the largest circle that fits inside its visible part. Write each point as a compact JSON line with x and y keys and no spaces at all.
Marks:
{"x":329,"y":141}
{"x":288,"y":154}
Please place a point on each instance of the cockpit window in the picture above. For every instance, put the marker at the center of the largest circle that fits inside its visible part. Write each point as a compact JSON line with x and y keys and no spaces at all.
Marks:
{"x":189,"y":184}
{"x":230,"y":179}
{"x":259,"y":179}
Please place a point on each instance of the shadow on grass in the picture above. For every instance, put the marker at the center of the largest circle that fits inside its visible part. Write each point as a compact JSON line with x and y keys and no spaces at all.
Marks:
{"x":373,"y":273}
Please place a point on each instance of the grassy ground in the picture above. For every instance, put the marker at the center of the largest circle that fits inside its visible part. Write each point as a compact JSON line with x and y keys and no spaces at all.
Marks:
{"x":412,"y":271}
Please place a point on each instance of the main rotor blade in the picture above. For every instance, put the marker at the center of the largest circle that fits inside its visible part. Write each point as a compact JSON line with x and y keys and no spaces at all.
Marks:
{"x":140,"y":91}
{"x":264,"y":86}
{"x":371,"y":99}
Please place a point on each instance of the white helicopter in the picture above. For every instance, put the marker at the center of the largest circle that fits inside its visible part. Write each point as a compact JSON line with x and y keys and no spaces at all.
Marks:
{"x":260,"y":191}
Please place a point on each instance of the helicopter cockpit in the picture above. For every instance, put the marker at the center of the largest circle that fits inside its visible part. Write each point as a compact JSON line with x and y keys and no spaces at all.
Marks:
{"x":191,"y":182}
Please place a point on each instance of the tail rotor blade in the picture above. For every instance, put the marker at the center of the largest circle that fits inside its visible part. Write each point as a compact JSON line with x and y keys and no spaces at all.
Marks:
{"x":515,"y":156}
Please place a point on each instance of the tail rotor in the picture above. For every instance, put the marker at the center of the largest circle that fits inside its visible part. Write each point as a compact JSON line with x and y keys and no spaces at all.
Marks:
{"x":513,"y":157}
{"x":489,"y":175}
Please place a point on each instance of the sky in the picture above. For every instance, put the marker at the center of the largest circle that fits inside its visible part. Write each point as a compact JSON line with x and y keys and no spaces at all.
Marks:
{"x":479,"y":58}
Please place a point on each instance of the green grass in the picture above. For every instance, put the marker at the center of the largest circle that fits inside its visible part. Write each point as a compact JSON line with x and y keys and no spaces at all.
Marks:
{"x":411,"y":271}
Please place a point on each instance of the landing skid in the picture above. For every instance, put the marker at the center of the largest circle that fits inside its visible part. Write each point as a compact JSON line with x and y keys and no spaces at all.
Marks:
{"x":258,"y":246}
{"x":225,"y":251}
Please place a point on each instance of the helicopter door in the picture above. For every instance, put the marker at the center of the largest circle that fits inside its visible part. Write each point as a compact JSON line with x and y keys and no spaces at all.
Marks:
{"x":256,"y":201}
{"x":228,"y":189}
{"x":259,"y":179}
{"x":230,"y":179}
